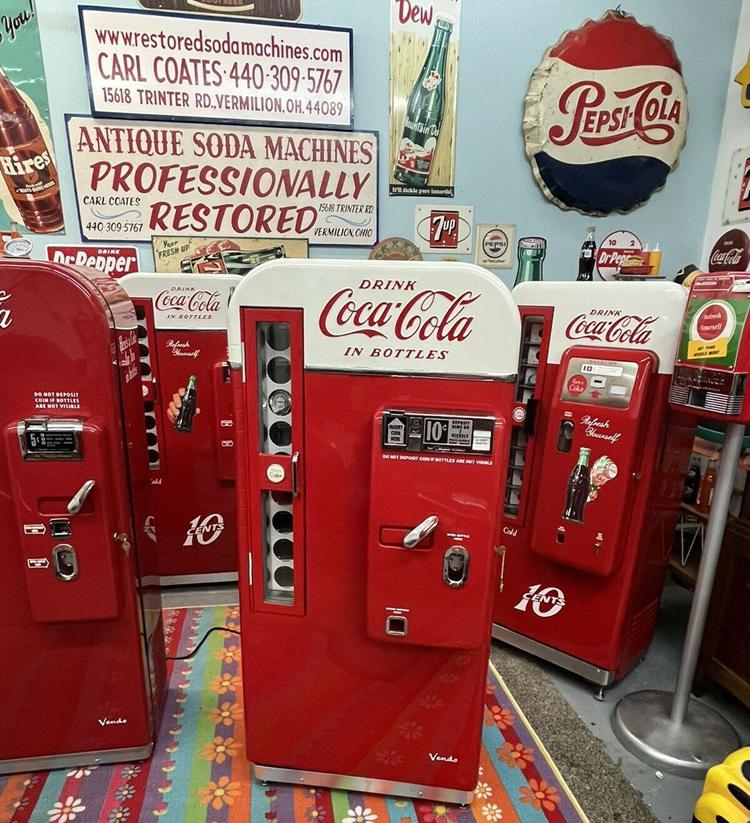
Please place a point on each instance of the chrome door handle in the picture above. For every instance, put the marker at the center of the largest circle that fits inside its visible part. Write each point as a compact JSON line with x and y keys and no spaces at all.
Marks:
{"x":295,"y":464}
{"x":79,"y":498}
{"x":418,"y":533}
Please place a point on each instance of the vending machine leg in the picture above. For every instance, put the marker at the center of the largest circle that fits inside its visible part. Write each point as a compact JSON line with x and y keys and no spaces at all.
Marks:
{"x":676,"y":732}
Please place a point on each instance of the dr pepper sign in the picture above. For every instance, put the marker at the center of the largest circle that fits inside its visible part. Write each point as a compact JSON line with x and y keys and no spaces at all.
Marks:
{"x":605,"y":116}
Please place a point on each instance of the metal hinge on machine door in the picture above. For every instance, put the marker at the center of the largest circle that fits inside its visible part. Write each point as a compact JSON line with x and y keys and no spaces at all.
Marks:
{"x":501,"y":551}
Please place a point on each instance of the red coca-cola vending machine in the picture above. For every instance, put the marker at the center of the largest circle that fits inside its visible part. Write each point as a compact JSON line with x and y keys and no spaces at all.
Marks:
{"x":80,"y":620}
{"x":595,"y":476}
{"x":187,"y":410}
{"x":371,"y":405}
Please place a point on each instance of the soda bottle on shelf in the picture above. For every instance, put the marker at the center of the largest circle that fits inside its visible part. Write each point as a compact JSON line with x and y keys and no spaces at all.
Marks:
{"x":26,"y":163}
{"x":706,"y":488}
{"x":184,"y":421}
{"x":424,"y":111}
{"x":578,"y":488}
{"x":587,"y":257}
{"x":531,"y":252}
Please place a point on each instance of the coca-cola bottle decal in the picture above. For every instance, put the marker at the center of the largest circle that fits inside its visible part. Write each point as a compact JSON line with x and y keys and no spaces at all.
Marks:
{"x":184,"y":406}
{"x":578,"y":488}
{"x":27,"y":164}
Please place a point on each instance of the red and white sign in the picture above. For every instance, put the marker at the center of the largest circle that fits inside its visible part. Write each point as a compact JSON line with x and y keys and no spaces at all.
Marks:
{"x":135,"y":180}
{"x":731,"y":252}
{"x":615,"y":248}
{"x":170,"y":66}
{"x":444,"y":229}
{"x":390,"y":316}
{"x":113,"y":260}
{"x":715,"y":320}
{"x":737,"y":198}
{"x":606,"y":115}
{"x":577,"y":384}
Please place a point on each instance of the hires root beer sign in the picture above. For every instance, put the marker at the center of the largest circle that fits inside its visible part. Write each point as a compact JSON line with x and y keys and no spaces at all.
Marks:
{"x":394,"y":316}
{"x":114,"y":260}
{"x":608,"y":102}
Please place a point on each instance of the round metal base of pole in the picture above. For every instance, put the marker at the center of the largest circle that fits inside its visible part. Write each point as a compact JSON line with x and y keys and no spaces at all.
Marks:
{"x":641,"y":722}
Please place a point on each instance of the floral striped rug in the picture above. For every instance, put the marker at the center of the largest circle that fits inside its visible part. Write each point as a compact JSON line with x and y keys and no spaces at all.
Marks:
{"x":198,"y":773}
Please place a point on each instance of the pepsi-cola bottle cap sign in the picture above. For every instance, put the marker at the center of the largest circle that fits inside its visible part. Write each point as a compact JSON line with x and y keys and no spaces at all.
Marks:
{"x":605,"y":116}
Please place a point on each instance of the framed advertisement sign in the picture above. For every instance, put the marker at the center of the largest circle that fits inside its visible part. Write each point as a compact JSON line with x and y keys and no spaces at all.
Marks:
{"x":173,"y":66}
{"x":136,"y":179}
{"x":29,"y":182}
{"x":271,"y":9}
{"x":423,"y":84}
{"x":221,"y":255}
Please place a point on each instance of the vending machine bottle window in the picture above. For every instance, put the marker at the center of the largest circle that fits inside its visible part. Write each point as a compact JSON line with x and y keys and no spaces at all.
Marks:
{"x":372,"y":403}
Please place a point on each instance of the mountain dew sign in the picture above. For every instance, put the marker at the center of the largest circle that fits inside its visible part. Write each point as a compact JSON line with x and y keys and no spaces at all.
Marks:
{"x":712,"y":331}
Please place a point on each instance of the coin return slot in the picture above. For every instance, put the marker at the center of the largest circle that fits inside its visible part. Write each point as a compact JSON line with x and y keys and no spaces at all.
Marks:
{"x":396,"y":626}
{"x":561,"y":537}
{"x":59,"y":527}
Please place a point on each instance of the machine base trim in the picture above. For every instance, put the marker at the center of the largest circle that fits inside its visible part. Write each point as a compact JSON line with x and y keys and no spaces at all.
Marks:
{"x":602,"y":677}
{"x":64,"y":761}
{"x":369,"y":785}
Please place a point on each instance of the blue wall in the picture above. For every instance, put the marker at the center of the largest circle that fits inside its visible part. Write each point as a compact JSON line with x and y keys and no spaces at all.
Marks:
{"x":501,"y":43}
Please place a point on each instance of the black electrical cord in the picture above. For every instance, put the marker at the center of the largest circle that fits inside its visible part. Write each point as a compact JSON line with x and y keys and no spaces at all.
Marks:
{"x":202,"y":641}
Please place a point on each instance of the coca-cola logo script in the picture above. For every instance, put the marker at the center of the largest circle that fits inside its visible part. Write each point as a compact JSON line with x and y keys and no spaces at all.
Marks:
{"x":731,"y":252}
{"x":182,"y":299}
{"x":5,"y":313}
{"x":425,"y":314}
{"x":611,"y":326}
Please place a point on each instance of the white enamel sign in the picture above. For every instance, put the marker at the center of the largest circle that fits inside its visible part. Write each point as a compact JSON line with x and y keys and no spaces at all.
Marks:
{"x":170,"y":66}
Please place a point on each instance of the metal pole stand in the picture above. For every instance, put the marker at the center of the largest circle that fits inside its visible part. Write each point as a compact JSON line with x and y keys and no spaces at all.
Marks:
{"x":677,"y":733}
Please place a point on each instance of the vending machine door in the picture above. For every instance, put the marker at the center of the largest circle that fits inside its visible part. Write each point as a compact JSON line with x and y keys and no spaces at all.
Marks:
{"x":431,"y":568}
{"x":592,"y":457}
{"x":63,"y":490}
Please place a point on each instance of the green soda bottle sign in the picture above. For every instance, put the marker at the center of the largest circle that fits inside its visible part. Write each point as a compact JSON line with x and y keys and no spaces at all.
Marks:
{"x":424,"y":112}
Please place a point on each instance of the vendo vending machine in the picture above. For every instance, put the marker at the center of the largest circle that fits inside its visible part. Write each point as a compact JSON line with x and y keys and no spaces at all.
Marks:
{"x":371,"y":403}
{"x":80,"y":621}
{"x":596,"y":469}
{"x":187,"y":412}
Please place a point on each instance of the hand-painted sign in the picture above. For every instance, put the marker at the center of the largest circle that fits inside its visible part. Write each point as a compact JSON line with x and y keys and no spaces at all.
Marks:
{"x":167,"y":66}
{"x":136,"y":179}
{"x":605,"y":116}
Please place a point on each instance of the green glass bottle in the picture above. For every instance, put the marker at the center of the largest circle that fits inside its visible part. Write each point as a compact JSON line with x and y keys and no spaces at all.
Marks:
{"x":531,"y":252}
{"x":424,"y":111}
